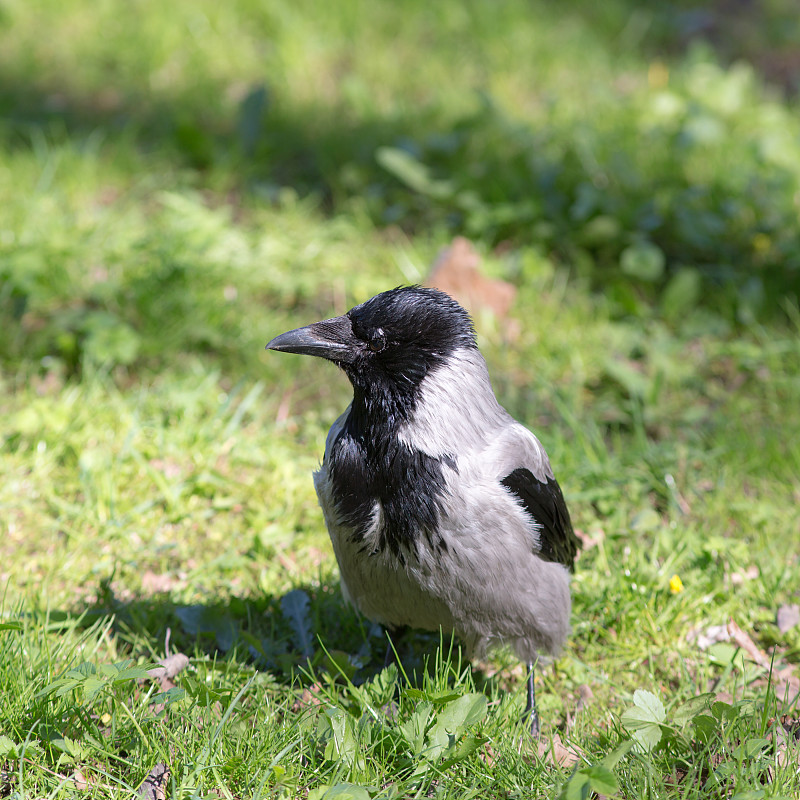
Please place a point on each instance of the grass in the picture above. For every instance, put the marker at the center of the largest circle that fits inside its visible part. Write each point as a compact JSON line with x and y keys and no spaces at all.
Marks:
{"x":163,"y":217}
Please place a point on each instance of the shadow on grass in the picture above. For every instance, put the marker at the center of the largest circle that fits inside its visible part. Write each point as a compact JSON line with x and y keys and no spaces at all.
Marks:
{"x":293,"y":637}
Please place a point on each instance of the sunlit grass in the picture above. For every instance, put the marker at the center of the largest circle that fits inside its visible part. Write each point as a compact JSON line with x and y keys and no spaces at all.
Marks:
{"x":163,"y":219}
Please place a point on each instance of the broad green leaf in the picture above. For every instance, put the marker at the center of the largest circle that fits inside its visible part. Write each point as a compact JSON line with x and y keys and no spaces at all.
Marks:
{"x":681,"y":294}
{"x":601,"y":779}
{"x":346,"y":791}
{"x":7,"y":748}
{"x":338,"y":662}
{"x":577,"y":787}
{"x":203,"y":693}
{"x":650,"y":703}
{"x":725,"y":653}
{"x":705,"y":726}
{"x":464,"y":749}
{"x":688,"y":710}
{"x":343,"y":744}
{"x":168,"y":698}
{"x":751,"y":748}
{"x":199,"y":619}
{"x":724,"y":711}
{"x":460,"y":714}
{"x":414,"y":729}
{"x":643,"y":261}
{"x":615,"y":756}
{"x":123,"y":671}
{"x":382,"y":687}
{"x":439,"y":698}
{"x":451,"y":723}
{"x":413,"y":173}
{"x":646,"y":520}
{"x":92,"y":686}
{"x":644,"y":719}
{"x":251,"y":116}
{"x":81,"y":671}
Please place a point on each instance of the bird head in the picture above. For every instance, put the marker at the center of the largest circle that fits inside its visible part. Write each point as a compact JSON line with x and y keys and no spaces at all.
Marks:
{"x":388,"y":344}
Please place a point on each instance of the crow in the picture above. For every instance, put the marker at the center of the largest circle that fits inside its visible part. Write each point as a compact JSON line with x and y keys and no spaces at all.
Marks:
{"x":443,"y":511}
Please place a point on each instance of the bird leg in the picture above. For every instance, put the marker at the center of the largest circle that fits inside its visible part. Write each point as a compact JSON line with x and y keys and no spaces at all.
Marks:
{"x":393,"y":636}
{"x":530,"y":708}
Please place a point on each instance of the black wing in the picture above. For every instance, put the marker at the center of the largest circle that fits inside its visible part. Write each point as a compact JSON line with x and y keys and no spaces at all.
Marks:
{"x":545,"y":503}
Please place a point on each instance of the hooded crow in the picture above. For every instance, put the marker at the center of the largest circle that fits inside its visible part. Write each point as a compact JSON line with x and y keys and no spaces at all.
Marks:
{"x":443,"y":510}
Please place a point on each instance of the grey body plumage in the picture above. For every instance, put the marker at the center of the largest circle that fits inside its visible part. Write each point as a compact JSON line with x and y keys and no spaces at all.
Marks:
{"x":443,"y":510}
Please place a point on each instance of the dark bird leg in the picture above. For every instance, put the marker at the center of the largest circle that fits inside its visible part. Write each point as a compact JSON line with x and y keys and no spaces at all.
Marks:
{"x":393,"y":635}
{"x":530,"y":708}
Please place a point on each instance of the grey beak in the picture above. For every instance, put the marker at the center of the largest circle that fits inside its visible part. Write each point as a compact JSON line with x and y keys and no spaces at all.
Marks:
{"x":332,"y":339}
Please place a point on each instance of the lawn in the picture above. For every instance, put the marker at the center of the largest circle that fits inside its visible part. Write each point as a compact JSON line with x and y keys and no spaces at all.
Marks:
{"x":181,"y":182}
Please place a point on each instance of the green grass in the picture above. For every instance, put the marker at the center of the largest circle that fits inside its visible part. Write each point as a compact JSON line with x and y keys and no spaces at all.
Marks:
{"x":163,"y":218}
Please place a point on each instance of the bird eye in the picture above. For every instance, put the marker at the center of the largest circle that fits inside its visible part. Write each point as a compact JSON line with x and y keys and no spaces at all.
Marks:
{"x":377,"y":341}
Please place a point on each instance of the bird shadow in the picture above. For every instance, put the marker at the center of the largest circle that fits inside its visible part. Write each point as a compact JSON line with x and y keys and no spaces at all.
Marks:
{"x":293,"y":636}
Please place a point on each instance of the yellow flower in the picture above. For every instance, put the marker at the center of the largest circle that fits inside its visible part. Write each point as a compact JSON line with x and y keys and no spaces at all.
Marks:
{"x":675,"y":584}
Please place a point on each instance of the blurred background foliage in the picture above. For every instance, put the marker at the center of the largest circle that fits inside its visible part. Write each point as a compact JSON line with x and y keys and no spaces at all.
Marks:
{"x":160,"y":164}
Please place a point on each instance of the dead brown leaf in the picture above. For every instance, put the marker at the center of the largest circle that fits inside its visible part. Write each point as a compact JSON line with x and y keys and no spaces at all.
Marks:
{"x":785,"y":732}
{"x":154,"y":786}
{"x":157,"y":583}
{"x":590,"y":539}
{"x":750,"y":574}
{"x":788,"y":616}
{"x":309,"y":697}
{"x":457,"y":272}
{"x":80,"y":781}
{"x":744,"y":641}
{"x":170,"y":468}
{"x":708,"y":636}
{"x":167,"y":669}
{"x":785,"y":683}
{"x":585,"y":696}
{"x":487,"y":755}
{"x":556,"y":752}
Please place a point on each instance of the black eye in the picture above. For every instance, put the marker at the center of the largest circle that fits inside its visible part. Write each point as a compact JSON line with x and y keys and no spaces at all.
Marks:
{"x":377,"y":341}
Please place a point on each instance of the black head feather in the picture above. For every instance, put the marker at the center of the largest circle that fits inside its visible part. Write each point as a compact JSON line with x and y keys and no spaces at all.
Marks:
{"x":387,"y":346}
{"x":405,"y":333}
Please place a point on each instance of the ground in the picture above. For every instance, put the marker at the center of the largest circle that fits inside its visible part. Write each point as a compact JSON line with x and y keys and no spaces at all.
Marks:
{"x":180,"y":184}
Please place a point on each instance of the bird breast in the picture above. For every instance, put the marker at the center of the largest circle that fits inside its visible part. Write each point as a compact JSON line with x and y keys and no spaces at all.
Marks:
{"x":438,"y":542}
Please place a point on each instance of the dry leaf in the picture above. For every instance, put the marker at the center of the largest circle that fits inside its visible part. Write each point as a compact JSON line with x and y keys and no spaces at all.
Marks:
{"x":786,"y":684}
{"x":750,"y":574}
{"x":487,"y":755}
{"x":310,"y":697}
{"x":585,"y":696}
{"x":457,"y":272}
{"x":710,"y":636}
{"x":170,"y":468}
{"x":786,"y":734}
{"x":590,"y":540}
{"x":556,"y":752}
{"x":157,"y":583}
{"x":788,"y":617}
{"x":744,"y":641}
{"x":79,"y":779}
{"x":168,"y":668}
{"x":154,"y":786}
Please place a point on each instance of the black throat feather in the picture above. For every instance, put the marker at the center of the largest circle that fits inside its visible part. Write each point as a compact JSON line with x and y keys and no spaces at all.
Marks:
{"x":408,"y":334}
{"x":369,"y":464}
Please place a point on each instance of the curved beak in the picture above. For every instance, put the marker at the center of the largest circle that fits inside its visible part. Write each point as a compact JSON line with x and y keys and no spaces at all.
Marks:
{"x":332,"y":339}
